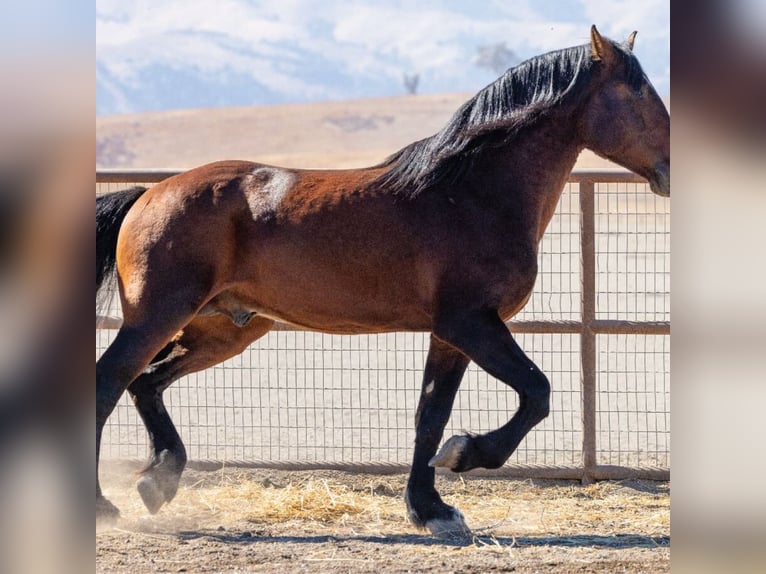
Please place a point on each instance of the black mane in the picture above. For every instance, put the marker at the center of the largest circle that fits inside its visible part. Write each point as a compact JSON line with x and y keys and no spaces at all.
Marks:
{"x":498,"y":111}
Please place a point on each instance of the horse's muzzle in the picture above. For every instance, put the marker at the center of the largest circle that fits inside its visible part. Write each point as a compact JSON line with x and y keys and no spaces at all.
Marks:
{"x":659,"y":179}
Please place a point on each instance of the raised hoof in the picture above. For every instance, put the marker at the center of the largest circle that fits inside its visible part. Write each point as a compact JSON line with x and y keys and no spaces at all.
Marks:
{"x":453,"y":527}
{"x":150,"y":493}
{"x":450,"y":455}
{"x":106,"y":512}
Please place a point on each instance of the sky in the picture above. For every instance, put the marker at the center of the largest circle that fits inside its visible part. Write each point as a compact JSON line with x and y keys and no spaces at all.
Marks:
{"x":169,"y":54}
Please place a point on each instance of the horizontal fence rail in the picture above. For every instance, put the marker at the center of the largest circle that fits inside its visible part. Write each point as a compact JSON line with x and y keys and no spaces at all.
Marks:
{"x":597,"y":323}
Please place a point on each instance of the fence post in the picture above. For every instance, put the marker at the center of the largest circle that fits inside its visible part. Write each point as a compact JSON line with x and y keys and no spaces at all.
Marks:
{"x":587,"y":335}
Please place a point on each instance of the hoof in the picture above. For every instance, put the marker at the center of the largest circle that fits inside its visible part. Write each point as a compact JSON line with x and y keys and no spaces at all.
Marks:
{"x":453,"y":527}
{"x":450,"y":455}
{"x":150,"y":493}
{"x":106,"y":512}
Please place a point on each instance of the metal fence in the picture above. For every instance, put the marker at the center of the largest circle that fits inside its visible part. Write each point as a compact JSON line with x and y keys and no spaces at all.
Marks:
{"x":597,"y":324}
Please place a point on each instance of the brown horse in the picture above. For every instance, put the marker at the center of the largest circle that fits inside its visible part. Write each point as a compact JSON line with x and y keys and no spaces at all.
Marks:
{"x":442,"y":237}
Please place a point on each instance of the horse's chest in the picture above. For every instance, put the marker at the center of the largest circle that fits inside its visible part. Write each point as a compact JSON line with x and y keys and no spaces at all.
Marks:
{"x":509,"y":281}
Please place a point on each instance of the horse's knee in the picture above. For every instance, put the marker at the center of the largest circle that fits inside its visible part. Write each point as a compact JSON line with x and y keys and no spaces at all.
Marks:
{"x":538,"y":396}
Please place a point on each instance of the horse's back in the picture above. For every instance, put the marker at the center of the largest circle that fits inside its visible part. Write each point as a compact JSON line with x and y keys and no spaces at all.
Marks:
{"x":312,"y":247}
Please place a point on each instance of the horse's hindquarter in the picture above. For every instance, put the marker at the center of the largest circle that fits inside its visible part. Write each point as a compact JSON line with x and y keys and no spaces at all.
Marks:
{"x":176,"y":243}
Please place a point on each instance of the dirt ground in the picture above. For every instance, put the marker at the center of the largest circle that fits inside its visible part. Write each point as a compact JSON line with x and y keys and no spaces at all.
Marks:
{"x":237,"y":520}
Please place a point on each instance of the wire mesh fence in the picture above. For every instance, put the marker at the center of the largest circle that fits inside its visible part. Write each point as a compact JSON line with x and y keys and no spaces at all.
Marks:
{"x":303,"y":398}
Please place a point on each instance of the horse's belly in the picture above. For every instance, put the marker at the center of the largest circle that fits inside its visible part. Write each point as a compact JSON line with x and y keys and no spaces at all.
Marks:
{"x":326,"y":310}
{"x":341,"y":283}
{"x":357,"y":322}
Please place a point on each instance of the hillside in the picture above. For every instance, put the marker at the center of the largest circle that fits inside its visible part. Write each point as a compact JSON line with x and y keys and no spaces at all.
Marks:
{"x":343,"y":134}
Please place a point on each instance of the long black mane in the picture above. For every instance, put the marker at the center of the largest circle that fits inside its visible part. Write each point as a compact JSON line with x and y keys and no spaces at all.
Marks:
{"x":494,"y":115}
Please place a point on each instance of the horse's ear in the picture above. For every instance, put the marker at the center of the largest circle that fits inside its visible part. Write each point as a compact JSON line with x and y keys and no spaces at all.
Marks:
{"x":596,"y":43}
{"x":600,"y":48}
{"x":631,"y":40}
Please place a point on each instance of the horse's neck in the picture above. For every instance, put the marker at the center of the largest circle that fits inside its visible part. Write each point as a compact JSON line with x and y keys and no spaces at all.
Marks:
{"x":532,"y":171}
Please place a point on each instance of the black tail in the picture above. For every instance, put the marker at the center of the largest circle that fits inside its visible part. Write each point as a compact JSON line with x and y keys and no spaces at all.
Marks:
{"x":111,"y":209}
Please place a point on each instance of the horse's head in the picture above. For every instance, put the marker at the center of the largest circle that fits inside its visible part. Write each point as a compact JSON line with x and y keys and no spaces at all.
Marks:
{"x":625,"y":120}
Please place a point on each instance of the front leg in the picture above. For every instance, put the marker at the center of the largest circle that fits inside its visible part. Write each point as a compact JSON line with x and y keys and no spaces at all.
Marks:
{"x":443,"y":372}
{"x":483,"y":337}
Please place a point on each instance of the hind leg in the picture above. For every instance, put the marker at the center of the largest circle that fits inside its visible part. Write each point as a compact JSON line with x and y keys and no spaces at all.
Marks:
{"x":156,"y":306}
{"x":128,"y":354}
{"x":205,"y":342}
